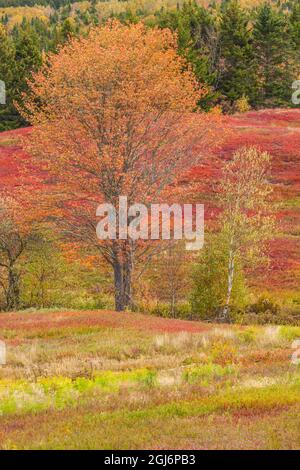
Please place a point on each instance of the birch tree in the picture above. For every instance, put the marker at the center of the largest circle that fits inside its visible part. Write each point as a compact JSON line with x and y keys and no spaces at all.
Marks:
{"x":247,"y":222}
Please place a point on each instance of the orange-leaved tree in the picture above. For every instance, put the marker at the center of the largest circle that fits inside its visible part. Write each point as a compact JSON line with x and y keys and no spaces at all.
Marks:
{"x":114,"y":114}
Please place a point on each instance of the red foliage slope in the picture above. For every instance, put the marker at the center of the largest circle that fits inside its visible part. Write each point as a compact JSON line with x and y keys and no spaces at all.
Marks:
{"x":277,"y":131}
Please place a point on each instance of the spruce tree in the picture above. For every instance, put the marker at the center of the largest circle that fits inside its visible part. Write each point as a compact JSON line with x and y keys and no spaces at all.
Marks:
{"x":198,"y":42}
{"x":28,"y":59}
{"x":28,"y":56}
{"x":7,"y":75}
{"x":236,"y":65}
{"x":274,"y":56}
{"x":294,"y":28}
{"x":66,"y":31}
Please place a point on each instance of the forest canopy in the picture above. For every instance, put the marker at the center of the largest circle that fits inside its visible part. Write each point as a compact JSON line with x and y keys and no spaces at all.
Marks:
{"x":245,"y":53}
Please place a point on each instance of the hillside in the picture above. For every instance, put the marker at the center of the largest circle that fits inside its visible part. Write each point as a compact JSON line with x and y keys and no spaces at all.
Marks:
{"x":143,"y":3}
{"x":43,"y":9}
{"x":278,"y":132}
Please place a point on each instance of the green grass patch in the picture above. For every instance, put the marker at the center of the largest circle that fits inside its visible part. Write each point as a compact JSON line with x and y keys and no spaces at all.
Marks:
{"x":207,"y":372}
{"x":60,"y":392}
{"x":290,"y":333}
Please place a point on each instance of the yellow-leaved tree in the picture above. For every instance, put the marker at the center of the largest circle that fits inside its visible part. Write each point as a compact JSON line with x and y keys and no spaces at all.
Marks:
{"x":247,"y":222}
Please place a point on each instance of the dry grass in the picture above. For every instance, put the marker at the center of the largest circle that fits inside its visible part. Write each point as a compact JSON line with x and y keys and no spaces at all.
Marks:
{"x":86,"y":379}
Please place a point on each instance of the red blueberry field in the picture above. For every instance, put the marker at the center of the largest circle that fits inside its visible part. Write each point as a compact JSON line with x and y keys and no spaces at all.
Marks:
{"x":106,"y":380}
{"x":276,"y":131}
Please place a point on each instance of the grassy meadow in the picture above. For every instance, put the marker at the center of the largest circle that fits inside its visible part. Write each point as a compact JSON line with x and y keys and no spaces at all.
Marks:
{"x":106,"y":380}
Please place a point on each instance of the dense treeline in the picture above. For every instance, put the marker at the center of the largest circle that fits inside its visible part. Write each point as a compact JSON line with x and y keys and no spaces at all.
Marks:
{"x":31,"y":3}
{"x":246,"y":57}
{"x":20,"y":55}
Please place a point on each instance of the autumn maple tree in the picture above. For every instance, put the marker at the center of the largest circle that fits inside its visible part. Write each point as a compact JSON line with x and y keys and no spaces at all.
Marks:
{"x":114,"y":114}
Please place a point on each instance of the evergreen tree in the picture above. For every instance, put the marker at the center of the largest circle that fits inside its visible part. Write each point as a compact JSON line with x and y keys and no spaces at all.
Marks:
{"x":4,"y":19}
{"x":7,"y":76}
{"x":274,"y":56}
{"x":198,"y":42}
{"x":28,"y":56}
{"x":294,"y":30}
{"x":66,"y":31}
{"x":28,"y":59}
{"x":236,"y":65}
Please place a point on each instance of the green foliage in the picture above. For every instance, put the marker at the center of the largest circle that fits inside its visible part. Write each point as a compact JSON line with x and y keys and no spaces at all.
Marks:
{"x":239,"y":51}
{"x":295,"y":24}
{"x":66,"y":31}
{"x":183,"y":310}
{"x":20,"y":56}
{"x":44,"y":273}
{"x":237,"y":74}
{"x":264,"y":305}
{"x":290,"y":333}
{"x":197,"y":42}
{"x":247,"y":336}
{"x":207,"y":372}
{"x":210,"y":280}
{"x":7,"y":73}
{"x":275,"y":56}
{"x":243,"y":56}
{"x":61,"y":392}
{"x":50,"y":280}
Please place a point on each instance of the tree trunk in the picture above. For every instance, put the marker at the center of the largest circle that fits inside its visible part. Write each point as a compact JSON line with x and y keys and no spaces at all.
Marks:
{"x":118,"y":279}
{"x":173,"y":305}
{"x":229,"y":285}
{"x":127,"y":280}
{"x":13,"y":290}
{"x":123,"y":280}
